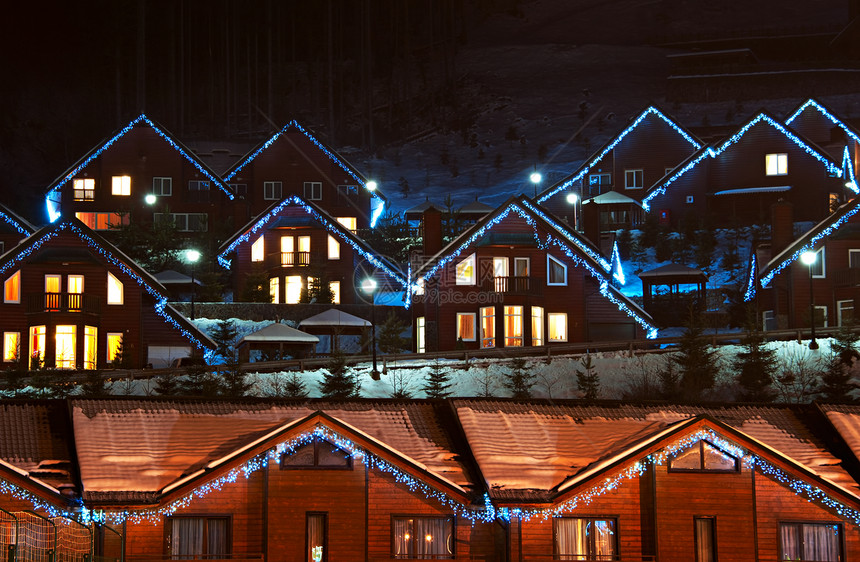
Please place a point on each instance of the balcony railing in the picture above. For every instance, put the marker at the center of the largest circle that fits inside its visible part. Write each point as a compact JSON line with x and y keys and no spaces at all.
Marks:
{"x":512,"y":285}
{"x":291,"y":259}
{"x":63,"y":302}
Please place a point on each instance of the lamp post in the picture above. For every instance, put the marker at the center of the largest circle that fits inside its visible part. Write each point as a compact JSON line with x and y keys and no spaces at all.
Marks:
{"x":369,"y":286}
{"x":192,"y":256}
{"x":371,"y":186}
{"x":809,"y":257}
{"x":572,"y":198}
{"x":536,"y":178}
{"x":150,"y":199}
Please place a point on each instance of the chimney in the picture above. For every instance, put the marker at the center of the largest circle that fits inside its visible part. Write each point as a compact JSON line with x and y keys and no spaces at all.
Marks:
{"x":431,"y":231}
{"x":781,"y":226}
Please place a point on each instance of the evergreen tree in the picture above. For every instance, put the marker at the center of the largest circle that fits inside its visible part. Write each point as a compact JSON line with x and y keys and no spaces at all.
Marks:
{"x":234,"y":379}
{"x":696,"y":361}
{"x":14,"y":378}
{"x":167,"y":384}
{"x":224,"y":336}
{"x":625,"y":243}
{"x":836,"y":379}
{"x":95,"y":385}
{"x":520,"y":380}
{"x":256,"y":287}
{"x":588,"y":380}
{"x":437,"y":383}
{"x":650,"y":231}
{"x":670,"y":382}
{"x":390,"y":338}
{"x":755,"y":369}
{"x":706,"y":241}
{"x":338,"y":382}
{"x":199,"y":379}
{"x":295,"y":387}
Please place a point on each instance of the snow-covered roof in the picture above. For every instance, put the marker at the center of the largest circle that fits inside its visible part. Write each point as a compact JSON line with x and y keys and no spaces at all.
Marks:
{"x":334,"y":317}
{"x":171,"y":277}
{"x":278,"y":332}
{"x":673,"y":270}
{"x":531,"y":446}
{"x":610,"y":197}
{"x":142,"y":446}
{"x":753,"y":190}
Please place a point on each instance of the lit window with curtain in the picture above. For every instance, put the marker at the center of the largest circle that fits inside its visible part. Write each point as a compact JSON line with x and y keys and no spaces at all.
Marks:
{"x":317,"y":539}
{"x":114,"y":346}
{"x":430,"y":538}
{"x":65,"y":341}
{"x":12,"y":289}
{"x":488,"y":326}
{"x":37,"y":346}
{"x":556,"y":271}
{"x":420,"y":334}
{"x":513,"y":326}
{"x":705,"y":529}
{"x":466,"y":326}
{"x":91,"y":335}
{"x":275,"y":289}
{"x":584,"y":538}
{"x":121,"y":185}
{"x":557,"y":322}
{"x":821,"y":542}
{"x":11,"y":346}
{"x":196,"y":537}
{"x":258,"y":249}
{"x":333,"y":248}
{"x":537,"y":325}
{"x":293,"y":289}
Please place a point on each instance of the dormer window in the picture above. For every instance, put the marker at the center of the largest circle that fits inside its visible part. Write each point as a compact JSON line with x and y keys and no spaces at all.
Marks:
{"x":776,"y":164}
{"x":703,"y":456}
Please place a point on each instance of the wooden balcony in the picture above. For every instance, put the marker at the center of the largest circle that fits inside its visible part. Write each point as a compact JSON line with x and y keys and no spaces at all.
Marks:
{"x":63,"y":302}
{"x":289,"y":259}
{"x":512,"y":285}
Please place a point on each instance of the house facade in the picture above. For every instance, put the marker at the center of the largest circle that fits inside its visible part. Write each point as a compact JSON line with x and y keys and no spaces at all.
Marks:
{"x":519,"y":278}
{"x":458,"y":479}
{"x":293,"y":162}
{"x":302,"y":253}
{"x":829,"y":131}
{"x":735,"y":182}
{"x":72,"y":301}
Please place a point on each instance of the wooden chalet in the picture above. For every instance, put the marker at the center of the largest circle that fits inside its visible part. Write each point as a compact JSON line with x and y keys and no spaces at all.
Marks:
{"x":456,"y":479}
{"x":780,"y":284}
{"x":735,"y":182}
{"x":72,"y":301}
{"x":13,"y":228}
{"x":294,"y":162}
{"x":299,"y":248}
{"x":636,"y":158}
{"x":142,"y":175}
{"x":832,"y":133}
{"x":518,"y":277}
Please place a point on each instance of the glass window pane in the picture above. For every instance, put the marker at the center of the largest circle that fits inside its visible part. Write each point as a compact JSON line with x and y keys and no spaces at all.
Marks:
{"x":715,"y":459}
{"x":316,"y":523}
{"x":705,"y":544}
{"x":691,"y":459}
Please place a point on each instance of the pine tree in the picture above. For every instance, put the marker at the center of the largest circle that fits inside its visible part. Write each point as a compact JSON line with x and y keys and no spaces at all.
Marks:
{"x":625,"y":243}
{"x":199,"y":379}
{"x":588,"y":380}
{"x":256,"y":287}
{"x":338,"y":382}
{"x":95,"y":385}
{"x":836,"y":379}
{"x":520,"y":380}
{"x":755,"y":369}
{"x":234,"y":379}
{"x":167,"y":384}
{"x":295,"y":387}
{"x":669,"y":382}
{"x":14,"y":378}
{"x":224,"y":336}
{"x":696,"y":361}
{"x":390,"y":337}
{"x":437,"y":383}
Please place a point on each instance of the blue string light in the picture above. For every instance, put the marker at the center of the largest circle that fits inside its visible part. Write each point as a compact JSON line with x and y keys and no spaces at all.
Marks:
{"x":709,"y":152}
{"x":749,"y":294}
{"x":642,"y":116}
{"x":161,"y":305}
{"x":848,"y":171}
{"x":53,"y":198}
{"x":333,"y":227}
{"x":15,"y":224}
{"x":617,"y":269}
{"x":829,"y":116}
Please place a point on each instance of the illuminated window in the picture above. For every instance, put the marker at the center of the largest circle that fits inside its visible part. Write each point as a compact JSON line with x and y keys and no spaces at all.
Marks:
{"x":37,"y":346}
{"x":513,"y":326}
{"x":120,"y":185}
{"x":349,"y":222}
{"x":114,"y":346}
{"x":198,"y":538}
{"x":419,"y":334}
{"x":811,"y":541}
{"x":488,"y":326}
{"x":776,"y":164}
{"x":114,"y":290}
{"x":521,"y":267}
{"x":556,"y":272}
{"x":64,"y":338}
{"x":275,"y":289}
{"x":835,"y":200}
{"x":258,"y":250}
{"x":103,"y":221}
{"x":11,"y":346}
{"x":287,"y":249}
{"x":317,"y":454}
{"x":317,"y":536}
{"x":334,"y":287}
{"x":466,"y":271}
{"x":313,"y":190}
{"x":704,"y":457}
{"x":633,"y":179}
{"x":272,"y":190}
{"x":500,"y":274}
{"x":90,"y":338}
{"x":537,"y":325}
{"x":162,"y":187}
{"x":333,"y":248}
{"x":294,"y":289}
{"x":584,"y":538}
{"x":422,"y":537}
{"x":85,"y":189}
{"x":557,"y":323}
{"x":705,"y":538}
{"x":52,"y":283}
{"x":818,"y":270}
{"x":75,"y":284}
{"x":12,"y":289}
{"x":466,"y":326}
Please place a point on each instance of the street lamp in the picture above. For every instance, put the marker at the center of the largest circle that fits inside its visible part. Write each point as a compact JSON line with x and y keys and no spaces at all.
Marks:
{"x":192,"y":256}
{"x":572,"y":198}
{"x":150,"y":199}
{"x":371,"y":186}
{"x":369,"y":286}
{"x":809,"y":257}
{"x":536,"y":178}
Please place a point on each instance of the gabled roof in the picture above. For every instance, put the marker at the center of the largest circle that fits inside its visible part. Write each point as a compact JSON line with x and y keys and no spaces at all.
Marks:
{"x":714,"y":152}
{"x":15,"y":221}
{"x":335,"y":317}
{"x":611,"y":198}
{"x":331,"y":154}
{"x":254,"y":229}
{"x":812,"y":105}
{"x":809,"y":240}
{"x":278,"y":332}
{"x":52,"y":197}
{"x":565,"y":184}
{"x":572,"y":244}
{"x":107,"y":252}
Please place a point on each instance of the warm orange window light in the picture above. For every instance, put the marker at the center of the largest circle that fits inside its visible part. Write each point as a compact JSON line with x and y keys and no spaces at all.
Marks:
{"x":114,"y":345}
{"x":12,"y":288}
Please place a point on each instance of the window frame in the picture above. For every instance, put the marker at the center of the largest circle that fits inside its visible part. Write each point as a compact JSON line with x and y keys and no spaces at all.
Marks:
{"x":325,"y":534}
{"x":463,"y":280}
{"x":839,"y":311}
{"x":702,"y":469}
{"x":510,"y":312}
{"x":713,"y":537}
{"x":414,"y":556}
{"x":162,"y":182}
{"x":780,"y":164}
{"x":819,"y":268}
{"x":9,"y":338}
{"x":120,"y":186}
{"x":549,"y":338}
{"x":549,"y":260}
{"x":7,"y":298}
{"x":420,"y":335}
{"x":350,"y":464}
{"x":87,"y":190}
{"x":112,"y":360}
{"x":228,"y":539}
{"x":538,"y":326}
{"x":636,"y":173}
{"x":589,"y":539}
{"x":823,"y":309}
{"x":493,"y":337}
{"x":315,"y":188}
{"x":852,"y":252}
{"x":474,"y":317}
{"x":333,"y":248}
{"x":273,"y":190}
{"x":258,"y":249}
{"x":117,"y":283}
{"x":803,"y":523}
